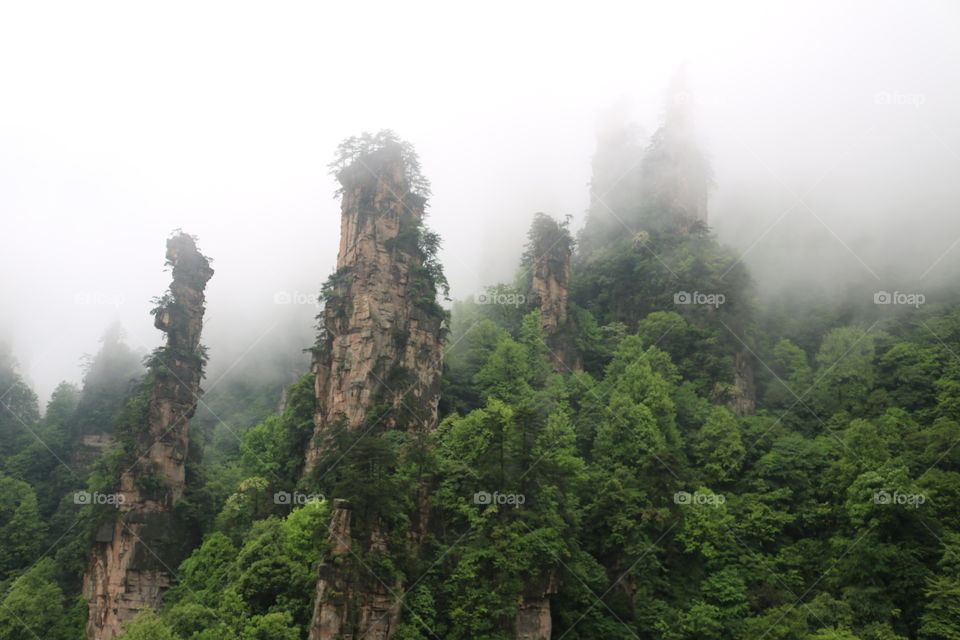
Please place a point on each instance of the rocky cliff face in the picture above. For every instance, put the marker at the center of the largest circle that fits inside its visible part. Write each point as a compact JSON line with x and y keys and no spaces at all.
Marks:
{"x":378,"y":365}
{"x":135,"y":553}
{"x":533,"y":620}
{"x":349,"y":601}
{"x":381,"y":328}
{"x":676,"y":176}
{"x":550,"y":283}
{"x":744,"y":400}
{"x":548,"y":259}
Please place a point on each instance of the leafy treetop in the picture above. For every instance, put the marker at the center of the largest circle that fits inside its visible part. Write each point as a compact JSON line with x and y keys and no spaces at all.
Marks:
{"x":355,"y":148}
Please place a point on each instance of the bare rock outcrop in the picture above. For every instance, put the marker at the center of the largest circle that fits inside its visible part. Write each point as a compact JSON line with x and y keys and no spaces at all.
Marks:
{"x":547,"y":257}
{"x":533,"y":620}
{"x":135,"y":553}
{"x":381,"y":335}
{"x":351,"y":603}
{"x":744,"y":400}
{"x":378,"y":365}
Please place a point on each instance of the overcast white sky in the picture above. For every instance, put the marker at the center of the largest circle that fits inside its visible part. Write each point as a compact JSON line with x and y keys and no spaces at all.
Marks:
{"x":122,"y":121}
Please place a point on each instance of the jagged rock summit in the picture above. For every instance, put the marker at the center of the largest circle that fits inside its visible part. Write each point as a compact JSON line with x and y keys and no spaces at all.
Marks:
{"x":378,"y":365}
{"x":138,"y":547}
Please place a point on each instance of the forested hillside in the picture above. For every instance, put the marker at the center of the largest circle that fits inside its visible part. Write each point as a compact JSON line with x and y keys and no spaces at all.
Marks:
{"x":624,"y":441}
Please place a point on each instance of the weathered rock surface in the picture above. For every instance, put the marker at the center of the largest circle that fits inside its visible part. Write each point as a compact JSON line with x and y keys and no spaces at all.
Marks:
{"x":133,"y":557}
{"x":745,"y":395}
{"x":548,"y":256}
{"x":381,"y":333}
{"x":350,"y":602}
{"x":533,"y":621}
{"x":378,"y":365}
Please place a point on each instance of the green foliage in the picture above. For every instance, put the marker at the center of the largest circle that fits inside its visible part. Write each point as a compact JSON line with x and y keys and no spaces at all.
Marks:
{"x":250,"y":503}
{"x":161,"y":303}
{"x":547,"y":240}
{"x":786,"y":501}
{"x":331,"y":291}
{"x":148,"y":626}
{"x":428,"y":246}
{"x":358,"y":148}
{"x":490,"y":548}
{"x":845,"y":362}
{"x":131,"y":423}
{"x":21,"y":528}
{"x":18,"y":407}
{"x":34,"y":606}
{"x":275,"y":448}
{"x":506,"y":375}
{"x":470,"y":348}
{"x":628,"y":495}
{"x":718,"y":446}
{"x":258,"y":585}
{"x":635,"y":286}
{"x":941,"y":616}
{"x":360,"y":466}
{"x":40,"y":463}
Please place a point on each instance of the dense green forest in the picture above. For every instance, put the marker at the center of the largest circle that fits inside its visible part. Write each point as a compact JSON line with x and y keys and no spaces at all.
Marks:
{"x":627,"y":487}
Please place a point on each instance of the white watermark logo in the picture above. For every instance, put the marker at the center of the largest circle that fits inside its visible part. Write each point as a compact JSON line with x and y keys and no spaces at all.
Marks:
{"x":296,"y":297}
{"x":485,"y":497}
{"x":508,"y":299}
{"x":698,"y":297}
{"x":297,"y":498}
{"x":899,"y":298}
{"x":915,"y":100}
{"x":909,"y":499}
{"x":685,"y":497}
{"x":95,"y":497}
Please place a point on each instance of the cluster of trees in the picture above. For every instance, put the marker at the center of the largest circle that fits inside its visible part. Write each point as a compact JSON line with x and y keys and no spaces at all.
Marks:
{"x":829,"y":513}
{"x":45,"y":529}
{"x":48,"y":461}
{"x":627,"y":494}
{"x":647,"y":510}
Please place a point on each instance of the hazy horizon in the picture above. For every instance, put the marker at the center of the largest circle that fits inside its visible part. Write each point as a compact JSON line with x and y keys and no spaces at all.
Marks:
{"x":830,"y":130}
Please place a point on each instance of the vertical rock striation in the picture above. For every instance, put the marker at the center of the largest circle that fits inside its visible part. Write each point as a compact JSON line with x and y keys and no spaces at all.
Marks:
{"x":676,"y":176}
{"x":547,"y":258}
{"x":378,"y":364}
{"x":380,"y":339}
{"x":533,"y":620}
{"x":134,"y":555}
{"x":744,"y":400}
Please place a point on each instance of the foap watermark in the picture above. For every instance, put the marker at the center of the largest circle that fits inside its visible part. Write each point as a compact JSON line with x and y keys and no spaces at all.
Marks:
{"x":297,"y":498}
{"x":699,"y":297}
{"x":97,"y":299}
{"x":507,"y":299}
{"x":900,"y":298}
{"x":895,"y":98}
{"x":95,"y":497}
{"x":697,"y":497}
{"x":296,"y":297}
{"x":905,"y":499}
{"x":485,"y":497}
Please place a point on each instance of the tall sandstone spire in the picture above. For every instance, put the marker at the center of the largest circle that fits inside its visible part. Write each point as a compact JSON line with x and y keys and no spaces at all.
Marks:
{"x":378,"y":365}
{"x":381,"y":332}
{"x":547,"y":258}
{"x":135,"y":553}
{"x":676,"y":176}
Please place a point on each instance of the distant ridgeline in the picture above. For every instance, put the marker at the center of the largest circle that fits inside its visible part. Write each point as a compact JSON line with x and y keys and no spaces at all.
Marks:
{"x":581,"y":453}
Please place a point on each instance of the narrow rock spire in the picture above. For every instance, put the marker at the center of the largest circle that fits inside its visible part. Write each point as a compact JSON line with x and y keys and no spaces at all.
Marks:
{"x":137,"y":549}
{"x":378,"y":364}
